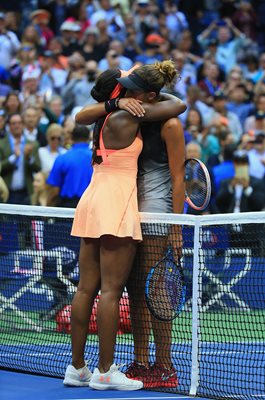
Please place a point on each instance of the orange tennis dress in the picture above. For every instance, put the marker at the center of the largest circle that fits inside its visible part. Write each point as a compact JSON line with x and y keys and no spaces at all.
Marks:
{"x":109,"y":205}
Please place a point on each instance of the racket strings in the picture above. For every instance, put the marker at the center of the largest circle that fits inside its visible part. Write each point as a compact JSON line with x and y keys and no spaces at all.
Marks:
{"x":165,"y":291}
{"x":197,"y":185}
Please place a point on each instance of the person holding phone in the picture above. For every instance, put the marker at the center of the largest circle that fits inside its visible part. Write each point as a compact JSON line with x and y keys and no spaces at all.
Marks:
{"x":241,"y":193}
{"x":230,"y":40}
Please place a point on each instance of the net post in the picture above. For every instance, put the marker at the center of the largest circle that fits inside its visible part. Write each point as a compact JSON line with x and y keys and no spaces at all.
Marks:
{"x":195,"y":316}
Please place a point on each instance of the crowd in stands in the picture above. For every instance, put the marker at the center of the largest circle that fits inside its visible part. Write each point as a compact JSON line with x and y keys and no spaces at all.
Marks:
{"x":51,"y":52}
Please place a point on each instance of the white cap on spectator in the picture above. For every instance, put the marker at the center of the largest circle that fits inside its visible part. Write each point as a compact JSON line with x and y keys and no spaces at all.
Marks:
{"x":92,"y":30}
{"x":70,"y":26}
{"x":2,"y":15}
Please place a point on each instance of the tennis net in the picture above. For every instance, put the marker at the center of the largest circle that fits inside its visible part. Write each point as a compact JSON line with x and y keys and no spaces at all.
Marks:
{"x":218,"y":340}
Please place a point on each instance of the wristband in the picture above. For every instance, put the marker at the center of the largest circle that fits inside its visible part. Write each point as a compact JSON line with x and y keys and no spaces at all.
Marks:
{"x":112,"y":105}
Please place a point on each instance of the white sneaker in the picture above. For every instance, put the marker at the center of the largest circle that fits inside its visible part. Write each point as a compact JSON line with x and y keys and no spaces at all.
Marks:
{"x":113,"y":379}
{"x":77,"y":377}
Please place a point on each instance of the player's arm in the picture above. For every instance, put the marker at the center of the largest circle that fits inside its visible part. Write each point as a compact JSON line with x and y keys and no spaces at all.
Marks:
{"x":173,"y":136}
{"x":169,"y":107}
{"x":90,"y":114}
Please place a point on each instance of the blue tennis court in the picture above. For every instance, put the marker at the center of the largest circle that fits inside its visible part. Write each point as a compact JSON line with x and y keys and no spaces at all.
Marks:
{"x":19,"y":386}
{"x":217,"y":374}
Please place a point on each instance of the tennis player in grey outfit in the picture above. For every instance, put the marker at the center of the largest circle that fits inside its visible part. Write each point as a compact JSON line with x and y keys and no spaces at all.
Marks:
{"x":160,"y":190}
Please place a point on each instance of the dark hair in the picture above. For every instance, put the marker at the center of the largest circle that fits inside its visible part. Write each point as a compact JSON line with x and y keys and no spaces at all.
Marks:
{"x":200,"y":118}
{"x":101,"y":91}
{"x":229,"y":150}
{"x":105,"y":84}
{"x":80,"y":133}
{"x":13,"y":93}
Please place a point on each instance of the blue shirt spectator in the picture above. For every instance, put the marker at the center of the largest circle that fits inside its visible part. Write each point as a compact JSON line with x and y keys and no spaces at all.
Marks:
{"x":72,"y":171}
{"x":238,"y":104}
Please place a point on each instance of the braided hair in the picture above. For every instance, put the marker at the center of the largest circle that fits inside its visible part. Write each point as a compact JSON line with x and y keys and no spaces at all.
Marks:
{"x":101,"y":91}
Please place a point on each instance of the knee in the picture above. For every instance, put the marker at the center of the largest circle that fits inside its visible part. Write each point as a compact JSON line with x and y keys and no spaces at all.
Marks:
{"x":112,"y":293}
{"x":87,"y":290}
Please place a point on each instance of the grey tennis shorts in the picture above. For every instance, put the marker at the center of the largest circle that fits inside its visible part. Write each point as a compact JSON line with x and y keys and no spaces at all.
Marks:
{"x":155,"y":206}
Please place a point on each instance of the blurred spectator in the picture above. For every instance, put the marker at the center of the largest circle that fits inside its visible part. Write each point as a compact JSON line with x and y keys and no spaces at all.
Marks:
{"x":116,"y":50}
{"x":225,"y":138}
{"x":226,"y":54}
{"x":32,"y":131}
{"x":187,"y":73}
{"x":68,"y":127}
{"x":72,"y":171}
{"x":253,"y":122}
{"x":238,"y":103}
{"x":245,"y":19}
{"x":193,"y":101}
{"x":2,"y":123}
{"x":176,"y":20}
{"x":144,"y":20}
{"x":131,"y":47}
{"x":221,"y":115}
{"x":52,"y":79}
{"x":246,"y":142}
{"x":209,"y":142}
{"x":90,"y":49}
{"x":9,"y":43}
{"x":76,"y":93}
{"x":59,"y":11}
{"x":251,"y":68}
{"x":70,"y":33}
{"x":194,"y":126}
{"x":19,"y":160}
{"x":12,"y":22}
{"x":224,"y":170}
{"x":40,"y":195}
{"x":56,"y":47}
{"x":256,"y":156}
{"x":31,"y":38}
{"x":152,"y":53}
{"x":4,"y":192}
{"x":77,"y":88}
{"x":55,"y":105}
{"x":12,"y":103}
{"x":5,"y":88}
{"x":26,"y":58}
{"x":105,"y":12}
{"x":54,"y":148}
{"x":193,"y":150}
{"x":242,"y":192}
{"x":259,"y":122}
{"x":259,"y":6}
{"x":210,"y":82}
{"x":103,"y":39}
{"x":40,"y":19}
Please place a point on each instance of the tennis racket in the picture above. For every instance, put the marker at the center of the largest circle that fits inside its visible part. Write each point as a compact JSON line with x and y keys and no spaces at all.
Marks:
{"x":164,"y":289}
{"x":198,"y":184}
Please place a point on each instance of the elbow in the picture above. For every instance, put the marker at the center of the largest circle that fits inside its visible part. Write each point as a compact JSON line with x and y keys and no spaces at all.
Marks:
{"x":180,"y":108}
{"x":183,"y":108}
{"x":78,"y":118}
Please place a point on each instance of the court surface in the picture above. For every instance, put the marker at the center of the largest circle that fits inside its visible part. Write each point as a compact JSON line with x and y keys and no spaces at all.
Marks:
{"x":217,"y":355}
{"x":19,"y":386}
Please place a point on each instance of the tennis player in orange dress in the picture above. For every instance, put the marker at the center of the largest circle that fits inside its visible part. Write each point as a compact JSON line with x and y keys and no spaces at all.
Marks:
{"x":108,"y":222}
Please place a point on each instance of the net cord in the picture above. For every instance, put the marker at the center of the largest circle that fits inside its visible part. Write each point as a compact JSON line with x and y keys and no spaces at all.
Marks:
{"x":203,"y":220}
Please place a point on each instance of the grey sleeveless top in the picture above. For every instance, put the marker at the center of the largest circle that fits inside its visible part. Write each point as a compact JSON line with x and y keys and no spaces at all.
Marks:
{"x":154,"y":179}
